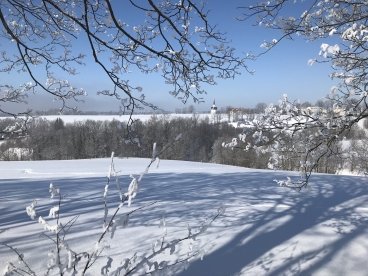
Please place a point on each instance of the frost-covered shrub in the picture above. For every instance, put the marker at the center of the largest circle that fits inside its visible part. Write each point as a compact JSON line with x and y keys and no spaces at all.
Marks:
{"x":355,"y":133}
{"x":365,"y":123}
{"x":64,"y":260}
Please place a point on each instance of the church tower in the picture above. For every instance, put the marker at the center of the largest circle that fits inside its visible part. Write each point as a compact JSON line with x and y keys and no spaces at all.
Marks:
{"x":213,"y":108}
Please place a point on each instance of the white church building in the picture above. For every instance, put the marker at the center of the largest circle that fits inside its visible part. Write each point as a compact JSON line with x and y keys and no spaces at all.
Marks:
{"x":213,"y":108}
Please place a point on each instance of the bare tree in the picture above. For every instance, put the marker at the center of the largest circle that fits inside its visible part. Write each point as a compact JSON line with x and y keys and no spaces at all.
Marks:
{"x":44,"y":32}
{"x":320,"y":103}
{"x":260,"y":108}
{"x":305,"y":104}
{"x":191,"y":109}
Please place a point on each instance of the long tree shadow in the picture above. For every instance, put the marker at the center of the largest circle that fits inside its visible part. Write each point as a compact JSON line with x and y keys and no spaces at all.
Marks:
{"x":202,"y":192}
{"x":307,"y":212}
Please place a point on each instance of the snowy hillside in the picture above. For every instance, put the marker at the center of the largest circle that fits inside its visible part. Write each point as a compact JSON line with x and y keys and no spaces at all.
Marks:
{"x":266,"y":229}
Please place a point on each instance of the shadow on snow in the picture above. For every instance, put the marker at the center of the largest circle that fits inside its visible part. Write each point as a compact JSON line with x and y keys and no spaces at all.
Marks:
{"x":252,"y":199}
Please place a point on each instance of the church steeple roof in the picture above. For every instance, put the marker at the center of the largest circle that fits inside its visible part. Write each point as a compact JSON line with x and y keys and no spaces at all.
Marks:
{"x":214,"y":107}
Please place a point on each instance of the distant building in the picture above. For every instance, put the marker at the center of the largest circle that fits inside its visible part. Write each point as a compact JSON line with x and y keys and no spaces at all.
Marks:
{"x":213,"y":108}
{"x":235,"y":114}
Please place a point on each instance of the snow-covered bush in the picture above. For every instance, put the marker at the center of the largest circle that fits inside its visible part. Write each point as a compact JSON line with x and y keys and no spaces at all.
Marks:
{"x":314,"y":134}
{"x":63,"y":260}
{"x":365,"y":123}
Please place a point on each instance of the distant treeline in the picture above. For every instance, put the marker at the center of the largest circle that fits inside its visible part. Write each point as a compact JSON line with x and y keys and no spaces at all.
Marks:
{"x":200,"y":141}
{"x":54,"y":111}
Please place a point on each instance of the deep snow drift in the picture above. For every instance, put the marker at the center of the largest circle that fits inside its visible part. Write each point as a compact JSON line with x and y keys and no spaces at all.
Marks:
{"x":266,"y":229}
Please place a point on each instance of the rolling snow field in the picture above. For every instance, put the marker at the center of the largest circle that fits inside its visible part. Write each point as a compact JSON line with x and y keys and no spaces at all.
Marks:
{"x":265,"y":230}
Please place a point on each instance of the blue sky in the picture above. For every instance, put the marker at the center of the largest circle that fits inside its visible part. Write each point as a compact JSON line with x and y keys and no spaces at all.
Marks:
{"x":282,"y":70}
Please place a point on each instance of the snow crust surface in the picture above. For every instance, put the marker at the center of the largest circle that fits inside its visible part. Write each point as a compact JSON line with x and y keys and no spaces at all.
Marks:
{"x":266,"y":229}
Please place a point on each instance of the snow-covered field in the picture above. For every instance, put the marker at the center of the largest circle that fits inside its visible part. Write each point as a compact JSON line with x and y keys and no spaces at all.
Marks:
{"x":266,"y":229}
{"x":142,"y":117}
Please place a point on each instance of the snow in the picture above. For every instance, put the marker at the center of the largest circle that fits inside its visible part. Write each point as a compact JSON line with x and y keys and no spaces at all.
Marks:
{"x":142,"y":117}
{"x":242,"y":124}
{"x":265,"y":230}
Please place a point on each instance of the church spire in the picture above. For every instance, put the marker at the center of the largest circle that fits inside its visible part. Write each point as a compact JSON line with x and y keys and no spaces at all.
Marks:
{"x":213,"y":108}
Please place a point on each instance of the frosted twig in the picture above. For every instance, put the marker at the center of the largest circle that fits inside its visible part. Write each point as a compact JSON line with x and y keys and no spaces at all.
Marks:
{"x":171,"y":246}
{"x":20,"y":259}
{"x":123,"y":199}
